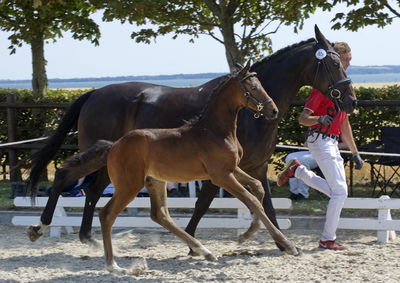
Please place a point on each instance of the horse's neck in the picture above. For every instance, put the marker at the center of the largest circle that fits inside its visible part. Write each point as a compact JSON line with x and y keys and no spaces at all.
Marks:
{"x":283,"y":79}
{"x":222,"y":110}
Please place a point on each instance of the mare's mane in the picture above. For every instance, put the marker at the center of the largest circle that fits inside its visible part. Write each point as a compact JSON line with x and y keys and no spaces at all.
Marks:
{"x":284,"y":51}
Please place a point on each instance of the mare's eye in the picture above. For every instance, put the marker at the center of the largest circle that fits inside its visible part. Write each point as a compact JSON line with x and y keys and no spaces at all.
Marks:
{"x":253,"y":87}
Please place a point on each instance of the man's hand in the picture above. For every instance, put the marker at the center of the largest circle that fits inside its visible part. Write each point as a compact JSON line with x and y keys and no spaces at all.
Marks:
{"x":325,"y":120}
{"x":357,"y":160}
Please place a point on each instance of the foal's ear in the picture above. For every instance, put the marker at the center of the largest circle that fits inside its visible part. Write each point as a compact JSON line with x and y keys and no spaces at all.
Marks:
{"x":244,"y":70}
{"x":320,"y":37}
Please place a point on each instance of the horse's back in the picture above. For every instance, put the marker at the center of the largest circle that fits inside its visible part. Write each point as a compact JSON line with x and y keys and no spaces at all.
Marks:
{"x":113,"y":110}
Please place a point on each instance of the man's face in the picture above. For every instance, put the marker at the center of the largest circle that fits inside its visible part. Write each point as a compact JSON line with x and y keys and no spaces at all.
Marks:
{"x":345,"y":58}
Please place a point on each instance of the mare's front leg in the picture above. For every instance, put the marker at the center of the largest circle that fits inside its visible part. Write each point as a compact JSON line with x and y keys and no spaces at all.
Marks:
{"x":230,"y":183}
{"x":160,"y":214}
{"x":206,"y":196}
{"x":62,"y":178}
{"x":93,"y":194}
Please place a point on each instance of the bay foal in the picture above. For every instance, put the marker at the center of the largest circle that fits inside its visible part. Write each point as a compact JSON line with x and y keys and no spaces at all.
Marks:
{"x":205,"y":148}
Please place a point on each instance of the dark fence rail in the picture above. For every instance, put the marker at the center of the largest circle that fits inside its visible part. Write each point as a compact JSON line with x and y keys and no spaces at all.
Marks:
{"x":8,"y":154}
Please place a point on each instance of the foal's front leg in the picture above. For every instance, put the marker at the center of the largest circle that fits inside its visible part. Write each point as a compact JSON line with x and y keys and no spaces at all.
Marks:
{"x":232,"y":185}
{"x":160,"y":214}
{"x":257,"y":190}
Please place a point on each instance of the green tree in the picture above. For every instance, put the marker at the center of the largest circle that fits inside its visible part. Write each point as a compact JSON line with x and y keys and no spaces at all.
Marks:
{"x":35,"y":22}
{"x":242,"y":26}
{"x":369,"y":12}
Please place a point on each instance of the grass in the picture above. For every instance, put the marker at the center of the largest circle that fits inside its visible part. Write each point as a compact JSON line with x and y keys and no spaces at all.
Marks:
{"x":315,"y":205}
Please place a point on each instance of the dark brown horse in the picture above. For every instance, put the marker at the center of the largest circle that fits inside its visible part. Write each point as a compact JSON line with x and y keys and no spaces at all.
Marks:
{"x":110,"y":112}
{"x":207,"y":149}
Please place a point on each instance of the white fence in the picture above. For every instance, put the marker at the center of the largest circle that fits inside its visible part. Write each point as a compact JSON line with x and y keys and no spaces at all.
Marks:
{"x":241,"y":221}
{"x":383,"y":224}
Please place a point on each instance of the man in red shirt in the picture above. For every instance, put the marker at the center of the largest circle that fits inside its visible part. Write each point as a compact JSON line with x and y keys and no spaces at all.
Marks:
{"x":325,"y":125}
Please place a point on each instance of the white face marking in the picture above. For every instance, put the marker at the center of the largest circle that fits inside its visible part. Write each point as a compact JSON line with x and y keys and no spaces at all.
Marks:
{"x":320,"y":54}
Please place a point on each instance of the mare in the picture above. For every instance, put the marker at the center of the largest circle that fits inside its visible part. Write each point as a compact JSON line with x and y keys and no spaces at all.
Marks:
{"x":207,"y":149}
{"x":110,"y":112}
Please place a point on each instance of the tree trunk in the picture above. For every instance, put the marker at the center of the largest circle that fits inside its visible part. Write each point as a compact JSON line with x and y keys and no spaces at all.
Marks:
{"x":232,"y":52}
{"x":39,"y":76}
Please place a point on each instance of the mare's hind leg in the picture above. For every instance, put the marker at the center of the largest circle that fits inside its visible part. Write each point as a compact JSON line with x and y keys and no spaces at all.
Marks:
{"x":230,"y":183}
{"x":160,"y":215}
{"x":93,"y":194}
{"x":62,"y":178}
{"x":256,"y":188}
{"x":206,"y":196}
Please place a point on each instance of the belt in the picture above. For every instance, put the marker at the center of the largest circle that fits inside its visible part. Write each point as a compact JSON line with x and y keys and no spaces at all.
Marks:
{"x":335,"y":137}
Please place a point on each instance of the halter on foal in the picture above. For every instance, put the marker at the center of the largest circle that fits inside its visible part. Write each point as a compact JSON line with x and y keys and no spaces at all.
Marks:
{"x":205,"y":149}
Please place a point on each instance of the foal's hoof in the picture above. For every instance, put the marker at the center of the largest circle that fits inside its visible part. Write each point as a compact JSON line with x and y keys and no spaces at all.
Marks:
{"x":193,"y":253}
{"x":293,"y":251}
{"x":210,"y":257}
{"x":242,"y":238}
{"x":33,"y":233}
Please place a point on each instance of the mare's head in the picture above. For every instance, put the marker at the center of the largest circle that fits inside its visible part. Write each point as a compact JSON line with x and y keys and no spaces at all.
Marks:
{"x":329,"y":76}
{"x":256,"y":97}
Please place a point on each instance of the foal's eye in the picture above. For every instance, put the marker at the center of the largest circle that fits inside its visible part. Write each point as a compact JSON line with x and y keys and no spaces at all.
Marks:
{"x":253,"y":87}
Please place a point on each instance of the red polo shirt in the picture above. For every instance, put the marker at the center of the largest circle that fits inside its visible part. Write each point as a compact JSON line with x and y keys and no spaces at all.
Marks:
{"x":320,"y":105}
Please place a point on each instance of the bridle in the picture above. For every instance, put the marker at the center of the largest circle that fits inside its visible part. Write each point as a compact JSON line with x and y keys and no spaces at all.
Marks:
{"x":333,"y":91}
{"x":259,"y":104}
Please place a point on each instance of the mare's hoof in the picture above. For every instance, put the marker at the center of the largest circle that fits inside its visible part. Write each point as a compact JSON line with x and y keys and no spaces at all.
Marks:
{"x":193,"y":253}
{"x":33,"y":233}
{"x":210,"y":257}
{"x":91,"y":242}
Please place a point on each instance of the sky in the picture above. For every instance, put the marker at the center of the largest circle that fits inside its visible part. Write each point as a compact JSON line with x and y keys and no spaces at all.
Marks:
{"x":119,"y":55}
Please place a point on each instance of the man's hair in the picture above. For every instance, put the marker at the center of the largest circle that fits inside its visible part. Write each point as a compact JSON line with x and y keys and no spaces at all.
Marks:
{"x":341,"y":47}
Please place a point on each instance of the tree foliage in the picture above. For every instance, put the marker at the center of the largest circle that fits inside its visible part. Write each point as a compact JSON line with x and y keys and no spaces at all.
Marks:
{"x":35,"y":22}
{"x":369,"y":12}
{"x":242,"y":26}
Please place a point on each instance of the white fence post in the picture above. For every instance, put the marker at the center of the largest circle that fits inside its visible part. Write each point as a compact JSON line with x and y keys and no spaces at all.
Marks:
{"x":55,"y":231}
{"x":385,"y":236}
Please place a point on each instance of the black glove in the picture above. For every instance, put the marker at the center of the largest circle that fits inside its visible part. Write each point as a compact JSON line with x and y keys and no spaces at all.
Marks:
{"x":357,"y":160}
{"x":325,"y":120}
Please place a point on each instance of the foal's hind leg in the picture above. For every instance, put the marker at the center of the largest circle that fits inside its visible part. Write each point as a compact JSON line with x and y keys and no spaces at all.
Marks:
{"x":256,"y":188}
{"x":230,"y":183}
{"x":125,"y":192}
{"x":160,"y":215}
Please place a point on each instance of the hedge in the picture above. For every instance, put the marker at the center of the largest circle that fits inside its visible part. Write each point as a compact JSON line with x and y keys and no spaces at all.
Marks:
{"x":366,"y":121}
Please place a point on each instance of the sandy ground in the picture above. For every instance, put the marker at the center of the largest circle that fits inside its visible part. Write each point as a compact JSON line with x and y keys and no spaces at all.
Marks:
{"x":67,"y":260}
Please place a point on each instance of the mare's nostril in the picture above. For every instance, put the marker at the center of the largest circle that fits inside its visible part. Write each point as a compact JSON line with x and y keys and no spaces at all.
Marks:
{"x":355,"y":102}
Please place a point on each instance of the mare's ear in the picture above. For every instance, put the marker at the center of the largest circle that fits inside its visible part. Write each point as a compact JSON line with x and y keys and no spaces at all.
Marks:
{"x":320,"y":37}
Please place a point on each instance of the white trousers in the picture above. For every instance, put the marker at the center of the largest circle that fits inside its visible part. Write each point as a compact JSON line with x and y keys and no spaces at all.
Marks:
{"x":326,"y":153}
{"x":297,"y":186}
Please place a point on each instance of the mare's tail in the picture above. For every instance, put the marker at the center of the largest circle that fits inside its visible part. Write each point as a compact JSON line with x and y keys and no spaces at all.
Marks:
{"x":40,"y":159}
{"x":84,"y":163}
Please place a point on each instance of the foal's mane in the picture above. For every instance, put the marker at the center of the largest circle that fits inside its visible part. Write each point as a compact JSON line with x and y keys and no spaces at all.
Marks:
{"x":223,"y":81}
{"x":284,"y":51}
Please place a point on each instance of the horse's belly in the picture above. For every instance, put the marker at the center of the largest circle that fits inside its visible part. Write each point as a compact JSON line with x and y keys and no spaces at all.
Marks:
{"x":178,"y":171}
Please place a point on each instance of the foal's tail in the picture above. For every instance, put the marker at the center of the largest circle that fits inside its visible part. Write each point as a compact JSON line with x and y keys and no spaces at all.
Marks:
{"x":40,"y":159}
{"x":84,"y":163}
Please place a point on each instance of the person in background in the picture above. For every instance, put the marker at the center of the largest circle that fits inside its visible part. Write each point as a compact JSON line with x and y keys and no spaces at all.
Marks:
{"x":325,"y":125}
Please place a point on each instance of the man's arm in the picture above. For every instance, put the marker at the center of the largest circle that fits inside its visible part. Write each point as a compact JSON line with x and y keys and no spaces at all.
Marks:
{"x":347,"y":135}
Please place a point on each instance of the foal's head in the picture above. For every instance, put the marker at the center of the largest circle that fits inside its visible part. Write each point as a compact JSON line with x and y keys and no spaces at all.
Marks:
{"x":255,"y":95}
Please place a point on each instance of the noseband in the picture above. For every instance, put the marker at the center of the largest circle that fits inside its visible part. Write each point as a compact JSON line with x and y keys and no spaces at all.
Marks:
{"x":333,"y":90}
{"x":259,"y":104}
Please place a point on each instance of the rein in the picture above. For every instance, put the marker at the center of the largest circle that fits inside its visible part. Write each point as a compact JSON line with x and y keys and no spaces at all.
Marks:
{"x":259,"y":104}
